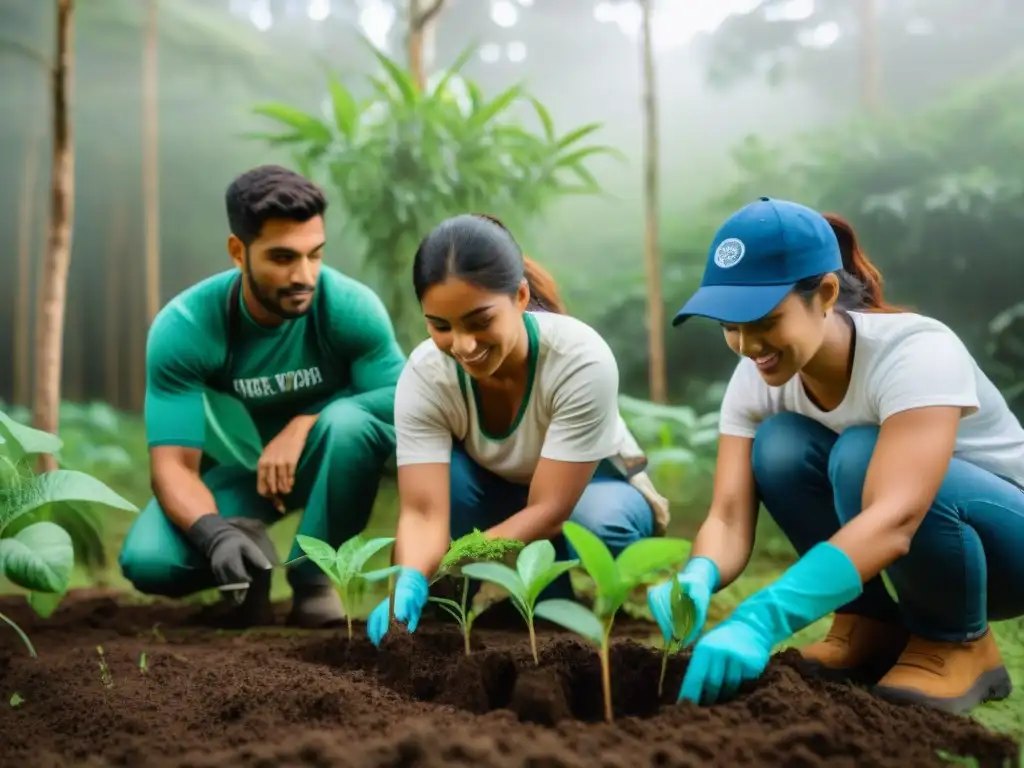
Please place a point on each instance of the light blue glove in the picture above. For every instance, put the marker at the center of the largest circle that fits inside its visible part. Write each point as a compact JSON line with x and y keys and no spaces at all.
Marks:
{"x":698,"y":580}
{"x":737,"y":650}
{"x":411,"y":592}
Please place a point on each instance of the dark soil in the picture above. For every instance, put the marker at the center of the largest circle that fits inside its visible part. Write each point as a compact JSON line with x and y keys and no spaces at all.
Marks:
{"x":271,"y":698}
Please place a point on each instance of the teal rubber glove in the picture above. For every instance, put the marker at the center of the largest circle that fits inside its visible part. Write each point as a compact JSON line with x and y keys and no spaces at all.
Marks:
{"x":411,"y":592}
{"x":738,"y":649}
{"x":698,"y":580}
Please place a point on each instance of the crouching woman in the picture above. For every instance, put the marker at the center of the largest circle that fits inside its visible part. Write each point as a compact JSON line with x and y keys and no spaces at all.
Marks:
{"x":876,"y":443}
{"x":506,"y":419}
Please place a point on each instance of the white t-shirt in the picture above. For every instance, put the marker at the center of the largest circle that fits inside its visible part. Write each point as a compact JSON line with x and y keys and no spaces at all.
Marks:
{"x":569,"y":413}
{"x":901,"y":361}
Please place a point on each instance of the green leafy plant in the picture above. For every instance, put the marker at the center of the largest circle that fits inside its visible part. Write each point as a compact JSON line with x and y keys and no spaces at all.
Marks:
{"x":473,"y":548}
{"x":40,"y":556}
{"x":535,"y":569}
{"x":614,"y":578}
{"x":344,"y":566}
{"x":684,"y":614}
{"x":405,"y":158}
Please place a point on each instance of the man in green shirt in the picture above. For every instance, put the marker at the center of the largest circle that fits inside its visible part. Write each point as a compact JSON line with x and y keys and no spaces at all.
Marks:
{"x":309,"y":359}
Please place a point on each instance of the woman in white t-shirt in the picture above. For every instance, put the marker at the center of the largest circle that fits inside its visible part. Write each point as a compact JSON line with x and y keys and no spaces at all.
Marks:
{"x":876,"y":443}
{"x":507,"y":418}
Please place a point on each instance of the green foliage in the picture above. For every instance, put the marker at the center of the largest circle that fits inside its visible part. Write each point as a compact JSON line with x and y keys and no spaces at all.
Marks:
{"x":39,"y":557}
{"x":639,"y":563}
{"x":535,"y":569}
{"x":474,"y":547}
{"x":1006,"y":351}
{"x":404,"y":159}
{"x":344,"y":566}
{"x":684,"y":614}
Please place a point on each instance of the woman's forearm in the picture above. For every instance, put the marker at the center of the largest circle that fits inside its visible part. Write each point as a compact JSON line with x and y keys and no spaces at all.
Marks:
{"x":421,"y":541}
{"x":529,"y":524}
{"x":728,"y":546}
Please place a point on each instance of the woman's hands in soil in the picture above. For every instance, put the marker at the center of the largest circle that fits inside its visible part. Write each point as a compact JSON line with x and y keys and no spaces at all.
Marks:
{"x":698,"y":580}
{"x":725,"y":658}
{"x":411,"y":592}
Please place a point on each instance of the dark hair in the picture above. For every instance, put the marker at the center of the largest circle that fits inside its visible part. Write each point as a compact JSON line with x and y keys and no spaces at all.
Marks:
{"x":270,"y":192}
{"x":860,"y":282}
{"x":478,"y":248}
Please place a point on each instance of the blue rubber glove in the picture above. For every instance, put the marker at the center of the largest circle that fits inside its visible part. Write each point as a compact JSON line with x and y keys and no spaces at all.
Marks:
{"x":737,"y":650}
{"x":698,"y":580}
{"x":411,"y":592}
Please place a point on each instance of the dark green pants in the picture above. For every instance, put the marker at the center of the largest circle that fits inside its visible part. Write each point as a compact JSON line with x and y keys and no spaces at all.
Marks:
{"x":336,"y":485}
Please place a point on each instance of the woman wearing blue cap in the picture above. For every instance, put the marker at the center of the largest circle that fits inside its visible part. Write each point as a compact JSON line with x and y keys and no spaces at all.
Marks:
{"x":876,"y":443}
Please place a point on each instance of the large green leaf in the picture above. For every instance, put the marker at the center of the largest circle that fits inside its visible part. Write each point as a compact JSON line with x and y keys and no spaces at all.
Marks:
{"x":500,"y":574}
{"x":39,"y":557}
{"x":643,"y":560}
{"x":572,"y":616}
{"x":594,"y":555}
{"x":22,"y":440}
{"x":534,"y":560}
{"x":59,"y":486}
{"x":366,"y":552}
{"x":321,"y":553}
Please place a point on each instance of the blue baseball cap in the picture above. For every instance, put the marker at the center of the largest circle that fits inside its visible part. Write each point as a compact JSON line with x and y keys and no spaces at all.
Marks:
{"x":756,"y":258}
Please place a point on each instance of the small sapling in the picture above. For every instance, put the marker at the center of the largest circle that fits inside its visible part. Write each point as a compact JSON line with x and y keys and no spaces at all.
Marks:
{"x":614,"y":578}
{"x":344,"y":566}
{"x":683,"y":617}
{"x":535,"y":569}
{"x":474,"y":547}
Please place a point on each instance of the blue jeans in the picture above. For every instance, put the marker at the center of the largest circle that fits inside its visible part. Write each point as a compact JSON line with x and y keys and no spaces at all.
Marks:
{"x":610,"y":507}
{"x":965,"y":566}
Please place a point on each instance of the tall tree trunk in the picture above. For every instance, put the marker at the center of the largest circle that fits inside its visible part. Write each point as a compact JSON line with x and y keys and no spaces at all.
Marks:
{"x":23,"y":281}
{"x":50,"y":312}
{"x":652,"y":261}
{"x":871,"y":72}
{"x":421,"y":17}
{"x":114,"y":303}
{"x":151,"y":160}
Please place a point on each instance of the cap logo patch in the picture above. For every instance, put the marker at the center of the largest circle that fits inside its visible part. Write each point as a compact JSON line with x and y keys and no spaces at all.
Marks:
{"x":729,"y":253}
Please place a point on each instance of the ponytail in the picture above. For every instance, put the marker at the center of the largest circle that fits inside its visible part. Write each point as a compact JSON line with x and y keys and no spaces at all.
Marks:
{"x":860,"y":281}
{"x":543,"y":289}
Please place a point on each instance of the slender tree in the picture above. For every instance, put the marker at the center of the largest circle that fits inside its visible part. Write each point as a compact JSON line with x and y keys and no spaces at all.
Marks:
{"x":421,"y":17}
{"x":657,"y":377}
{"x":50,"y":312}
{"x":151,"y":158}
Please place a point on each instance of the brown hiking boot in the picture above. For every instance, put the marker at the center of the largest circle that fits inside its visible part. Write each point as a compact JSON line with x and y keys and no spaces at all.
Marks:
{"x":951,"y":676}
{"x":856,"y":647}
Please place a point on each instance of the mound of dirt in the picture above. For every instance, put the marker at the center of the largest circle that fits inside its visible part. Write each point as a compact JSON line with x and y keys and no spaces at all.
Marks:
{"x":167,"y":693}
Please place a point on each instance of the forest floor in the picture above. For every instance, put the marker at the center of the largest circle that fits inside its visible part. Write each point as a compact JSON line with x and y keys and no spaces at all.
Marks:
{"x":119,"y":682}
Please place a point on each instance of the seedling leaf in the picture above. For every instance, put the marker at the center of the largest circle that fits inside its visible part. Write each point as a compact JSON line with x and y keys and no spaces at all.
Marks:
{"x":39,"y":557}
{"x":574,"y":617}
{"x":595,"y":557}
{"x":557,"y":569}
{"x":684,"y":612}
{"x":642,"y":560}
{"x":500,"y":574}
{"x":22,"y":440}
{"x":59,"y":486}
{"x":534,"y":560}
{"x":321,"y":553}
{"x":381,"y":573}
{"x":368,"y":550}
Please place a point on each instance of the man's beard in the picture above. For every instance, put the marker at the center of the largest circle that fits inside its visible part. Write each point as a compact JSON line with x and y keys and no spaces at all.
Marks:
{"x":273,"y":303}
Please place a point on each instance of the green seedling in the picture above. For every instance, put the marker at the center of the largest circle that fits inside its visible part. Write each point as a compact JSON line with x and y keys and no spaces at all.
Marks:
{"x":535,"y":569}
{"x":344,"y":566}
{"x":472,"y":548}
{"x":16,"y":700}
{"x":105,"y":677}
{"x":684,"y":614}
{"x":614,"y":578}
{"x":40,"y":556}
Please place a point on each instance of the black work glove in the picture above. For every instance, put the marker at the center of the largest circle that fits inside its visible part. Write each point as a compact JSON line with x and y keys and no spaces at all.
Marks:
{"x":234,"y":557}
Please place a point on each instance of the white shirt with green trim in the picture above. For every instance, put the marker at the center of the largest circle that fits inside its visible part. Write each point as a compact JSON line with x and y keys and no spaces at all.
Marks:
{"x":901,"y":361}
{"x":570,"y":411}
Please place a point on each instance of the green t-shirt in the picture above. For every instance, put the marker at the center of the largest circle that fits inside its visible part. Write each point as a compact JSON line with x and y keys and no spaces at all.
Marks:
{"x":198,"y":393}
